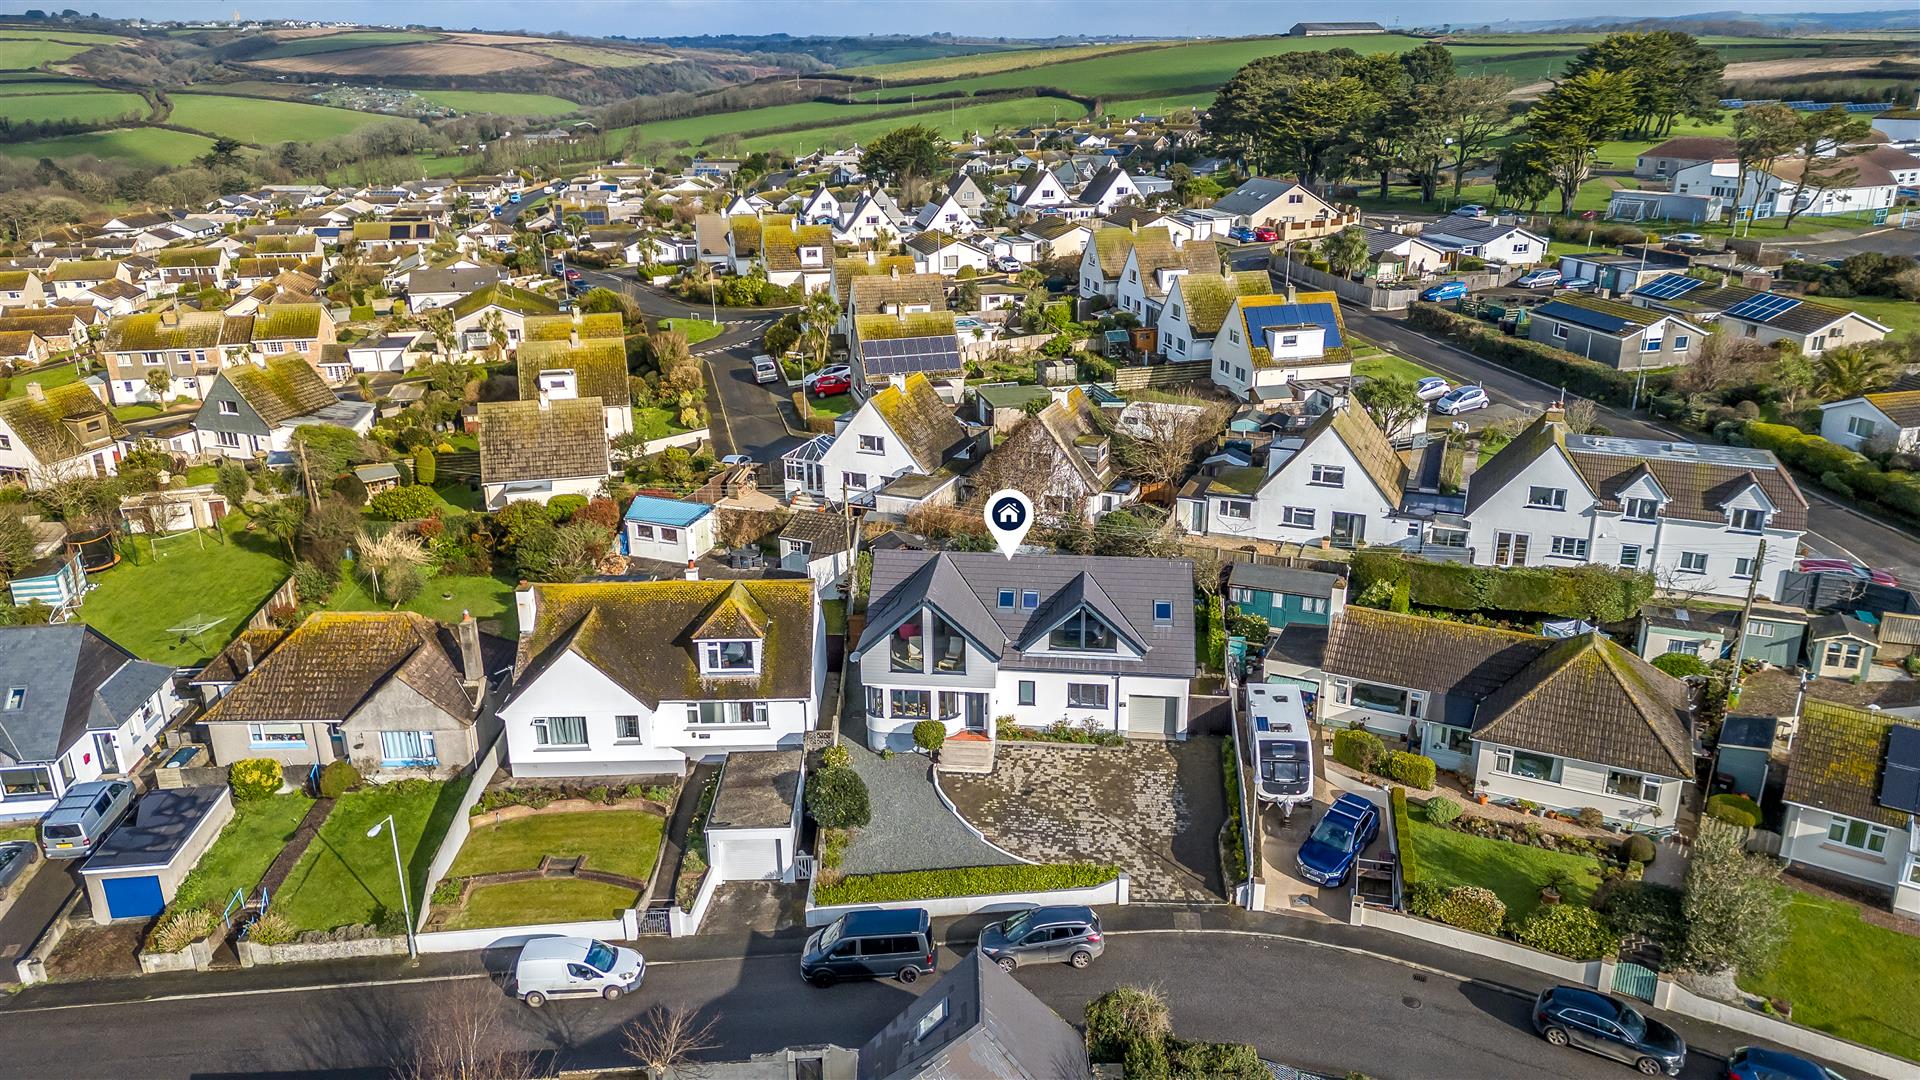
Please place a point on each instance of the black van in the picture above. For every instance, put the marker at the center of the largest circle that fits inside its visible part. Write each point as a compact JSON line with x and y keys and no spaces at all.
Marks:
{"x":870,"y":945}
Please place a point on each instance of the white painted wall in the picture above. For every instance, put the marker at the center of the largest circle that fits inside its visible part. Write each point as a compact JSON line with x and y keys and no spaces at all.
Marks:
{"x":690,"y":542}
{"x":1836,"y":420}
{"x":845,"y":458}
{"x":1581,"y":784}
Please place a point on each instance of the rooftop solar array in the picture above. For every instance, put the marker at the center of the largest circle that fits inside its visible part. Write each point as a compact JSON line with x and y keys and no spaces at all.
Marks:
{"x":1322,"y":315}
{"x":1900,"y":780}
{"x":1763,"y":307}
{"x":903,"y":356}
{"x":1669,"y":287}
{"x":1602,"y":321}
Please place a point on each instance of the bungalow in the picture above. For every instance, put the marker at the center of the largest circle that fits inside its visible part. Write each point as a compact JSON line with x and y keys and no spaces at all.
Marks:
{"x":1062,"y":458}
{"x":251,"y":410}
{"x":1850,"y":797}
{"x":672,"y":531}
{"x":1154,"y":263}
{"x":536,"y":449}
{"x":1662,"y":160}
{"x":1762,"y":316}
{"x":62,"y":328}
{"x":76,"y":707}
{"x":1615,"y":333}
{"x":1340,"y":481}
{"x":572,"y":356}
{"x":1893,"y":419}
{"x":902,"y":429}
{"x":1394,"y":255}
{"x":437,"y":287}
{"x":1058,"y":238}
{"x":512,"y":306}
{"x":1854,"y":183}
{"x":1104,"y":644}
{"x":395,"y":693}
{"x":56,"y":433}
{"x":643,"y":678}
{"x":22,"y":349}
{"x":1275,"y":344}
{"x":1772,"y":634}
{"x":1506,"y":246}
{"x":936,"y":252}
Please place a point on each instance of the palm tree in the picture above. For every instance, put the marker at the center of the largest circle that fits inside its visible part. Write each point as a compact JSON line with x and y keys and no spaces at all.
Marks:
{"x":1345,"y":250}
{"x":281,"y":519}
{"x":1852,"y":370}
{"x":817,"y":319}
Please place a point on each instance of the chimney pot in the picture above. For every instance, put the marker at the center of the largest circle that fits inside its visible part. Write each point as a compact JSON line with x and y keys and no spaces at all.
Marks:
{"x":693,"y":570}
{"x":246,"y":656}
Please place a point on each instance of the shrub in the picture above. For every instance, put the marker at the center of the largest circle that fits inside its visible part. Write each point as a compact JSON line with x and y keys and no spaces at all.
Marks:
{"x":1413,"y":770}
{"x":448,"y":890}
{"x":1734,"y":810}
{"x":836,"y":756}
{"x":1590,"y":817}
{"x":837,"y":798}
{"x":312,"y":584}
{"x":1441,"y":810}
{"x":1680,"y":665}
{"x":1215,"y":1061}
{"x":1639,"y":848}
{"x":338,"y":778}
{"x":929,"y":735}
{"x":273,"y":928}
{"x":965,"y":881}
{"x":1145,"y":1059}
{"x":1568,"y":930}
{"x":179,"y":929}
{"x":562,"y":507}
{"x":254,"y":778}
{"x":1410,"y":870}
{"x":1358,"y":749}
{"x":1425,"y":897}
{"x":1641,"y":908}
{"x":1471,"y":907}
{"x":425,"y":467}
{"x":1123,"y":1015}
{"x":404,"y":503}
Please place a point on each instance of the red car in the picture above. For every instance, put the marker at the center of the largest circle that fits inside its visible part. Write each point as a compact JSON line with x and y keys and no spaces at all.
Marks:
{"x":829,"y":385}
{"x":573,"y":275}
{"x":1265,"y":235}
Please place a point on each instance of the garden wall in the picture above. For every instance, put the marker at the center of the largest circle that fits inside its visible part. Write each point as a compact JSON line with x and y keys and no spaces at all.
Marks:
{"x":1112,"y":892}
{"x":305,"y":952}
{"x":462,"y":824}
{"x":685,"y":438}
{"x":624,"y":928}
{"x":1848,"y":1055}
{"x":686,"y":923}
{"x":1583,"y":973}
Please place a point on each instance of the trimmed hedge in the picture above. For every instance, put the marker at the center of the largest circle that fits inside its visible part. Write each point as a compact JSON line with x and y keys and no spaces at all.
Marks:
{"x":1840,"y":470}
{"x":1734,"y":810}
{"x":404,"y":503}
{"x":1680,"y":665}
{"x":1413,"y":770}
{"x":1403,"y":837}
{"x":1568,"y":930}
{"x":1599,"y":594}
{"x":1557,"y":366}
{"x":929,"y":735}
{"x":964,"y":881}
{"x":1357,"y":748}
{"x":1470,"y":907}
{"x":254,"y":778}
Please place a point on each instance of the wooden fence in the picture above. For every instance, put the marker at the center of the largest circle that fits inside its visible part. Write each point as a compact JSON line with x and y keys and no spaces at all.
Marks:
{"x":1159,"y":375}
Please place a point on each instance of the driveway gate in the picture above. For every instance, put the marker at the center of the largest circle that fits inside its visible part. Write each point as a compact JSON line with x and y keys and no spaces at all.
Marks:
{"x":1634,"y":981}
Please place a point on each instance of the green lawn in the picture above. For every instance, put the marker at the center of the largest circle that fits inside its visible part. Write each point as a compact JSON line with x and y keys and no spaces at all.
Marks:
{"x":246,"y":847}
{"x":346,"y":878}
{"x":47,"y":377}
{"x":135,"y":146}
{"x":505,"y":104}
{"x":186,"y":580}
{"x":265,"y":120}
{"x":91,"y":107}
{"x":696,"y":330}
{"x":48,"y":84}
{"x":142,"y":411}
{"x":16,"y":55}
{"x":835,"y":406}
{"x":1846,"y":976}
{"x":1380,"y":365}
{"x":1515,"y":871}
{"x":487,"y":597}
{"x":547,"y":900}
{"x":1894,"y":312}
{"x":657,"y":422}
{"x":951,"y":122}
{"x":617,"y":841}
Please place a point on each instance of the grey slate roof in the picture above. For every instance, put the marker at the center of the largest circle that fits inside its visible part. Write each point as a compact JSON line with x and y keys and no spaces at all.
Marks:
{"x":1253,"y":195}
{"x":76,"y":680}
{"x":991,"y":1028}
{"x":965,"y":586}
{"x":1471,"y":230}
{"x":1285,"y":579}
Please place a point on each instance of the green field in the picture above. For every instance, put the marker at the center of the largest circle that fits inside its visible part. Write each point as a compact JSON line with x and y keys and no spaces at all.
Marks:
{"x":886,"y":55}
{"x":38,"y":83}
{"x":695,"y":130}
{"x":481,"y":101}
{"x":84,"y":37}
{"x":138,"y":146}
{"x":358,"y":39}
{"x":594,"y":57}
{"x":18,"y":55}
{"x":1174,"y":68}
{"x":951,"y":123}
{"x":82,"y":106}
{"x":1159,"y":106}
{"x":264,"y":121}
{"x":987,"y":63}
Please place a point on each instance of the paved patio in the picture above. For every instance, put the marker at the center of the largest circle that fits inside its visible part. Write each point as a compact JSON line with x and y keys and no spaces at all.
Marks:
{"x":1152,"y":808}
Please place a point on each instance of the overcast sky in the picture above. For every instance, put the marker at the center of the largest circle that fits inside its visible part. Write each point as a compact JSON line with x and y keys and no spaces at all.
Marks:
{"x":1012,"y":18}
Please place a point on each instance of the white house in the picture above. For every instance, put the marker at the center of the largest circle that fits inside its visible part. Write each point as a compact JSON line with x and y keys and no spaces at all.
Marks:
{"x":965,"y":638}
{"x":936,"y":252}
{"x":1863,"y":184}
{"x":821,"y":208}
{"x":1891,"y":417}
{"x":1196,"y":307}
{"x":875,"y":218}
{"x":536,"y":449}
{"x":666,"y":530}
{"x":1852,"y":780}
{"x":903,"y":429}
{"x":1267,"y":202}
{"x":1108,"y":189}
{"x":1103,"y":259}
{"x":1497,"y":244}
{"x":1153,"y":264}
{"x":48,"y":435}
{"x":1269,"y":345}
{"x":1038,"y":191}
{"x":947,"y":215}
{"x":1340,"y":480}
{"x":1695,"y":516}
{"x":635,"y":678}
{"x":1662,"y":160}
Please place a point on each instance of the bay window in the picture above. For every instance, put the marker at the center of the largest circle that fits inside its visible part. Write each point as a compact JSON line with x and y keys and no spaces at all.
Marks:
{"x":910,"y":704}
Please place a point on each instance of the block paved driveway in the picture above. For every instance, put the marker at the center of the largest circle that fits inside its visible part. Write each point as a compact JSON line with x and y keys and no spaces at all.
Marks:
{"x":1152,"y":808}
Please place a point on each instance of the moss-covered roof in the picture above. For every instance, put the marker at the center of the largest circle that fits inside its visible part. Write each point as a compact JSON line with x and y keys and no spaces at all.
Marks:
{"x":188,"y":257}
{"x":285,"y":388}
{"x":873,"y":294}
{"x":780,"y":244}
{"x":332,"y":663}
{"x":18,"y":342}
{"x":606,"y":324}
{"x":282,"y":322}
{"x":845,"y":270}
{"x":286,"y":244}
{"x":1207,"y":297}
{"x":1838,"y":755}
{"x":920,"y":420}
{"x":180,"y":329}
{"x":508,"y":297}
{"x":68,"y":421}
{"x":523,"y":440}
{"x":913,"y":325}
{"x":1111,"y":246}
{"x":86,"y":270}
{"x":14,"y":280}
{"x":599,"y":366}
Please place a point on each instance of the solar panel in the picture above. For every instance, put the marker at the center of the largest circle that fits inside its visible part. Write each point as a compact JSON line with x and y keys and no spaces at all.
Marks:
{"x":1318,"y":314}
{"x":901,"y":356}
{"x":1669,"y":287}
{"x":1900,"y":781}
{"x":1763,"y":307}
{"x":1580,"y":316}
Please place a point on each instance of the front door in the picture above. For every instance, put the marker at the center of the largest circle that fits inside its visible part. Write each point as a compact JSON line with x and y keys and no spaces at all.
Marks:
{"x":1349,"y":530}
{"x":1509,"y":549}
{"x":976,"y":708}
{"x":103,"y":748}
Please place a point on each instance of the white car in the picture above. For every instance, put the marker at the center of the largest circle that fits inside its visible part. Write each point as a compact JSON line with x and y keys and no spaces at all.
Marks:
{"x":1686,"y":238}
{"x":841,"y":370}
{"x":736,"y":459}
{"x":1432,"y":387}
{"x":1470,"y":210}
{"x":1463,"y":399}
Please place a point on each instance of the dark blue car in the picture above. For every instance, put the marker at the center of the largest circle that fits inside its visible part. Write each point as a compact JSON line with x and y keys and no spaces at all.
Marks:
{"x":1760,"y":1063}
{"x":1446,"y":290}
{"x":1338,"y":838}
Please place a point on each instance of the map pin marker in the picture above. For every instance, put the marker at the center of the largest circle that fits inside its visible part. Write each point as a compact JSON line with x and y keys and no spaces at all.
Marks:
{"x":1009,"y":516}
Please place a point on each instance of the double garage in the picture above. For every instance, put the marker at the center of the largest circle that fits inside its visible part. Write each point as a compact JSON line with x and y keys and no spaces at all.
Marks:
{"x":135,"y":871}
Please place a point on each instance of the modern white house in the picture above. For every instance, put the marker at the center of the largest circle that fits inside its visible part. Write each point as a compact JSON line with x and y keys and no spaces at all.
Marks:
{"x":1498,"y":244}
{"x":635,"y":678}
{"x":666,"y":530}
{"x":1718,"y":520}
{"x":1038,"y":191}
{"x":1339,"y":480}
{"x":1863,"y":184}
{"x":1852,"y":790}
{"x":1196,"y":307}
{"x":966,"y":638}
{"x":947,"y":215}
{"x":1893,"y":418}
{"x":903,"y":429}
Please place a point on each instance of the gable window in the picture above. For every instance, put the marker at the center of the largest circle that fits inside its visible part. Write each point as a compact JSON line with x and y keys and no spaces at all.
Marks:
{"x":1570,"y":547}
{"x":1086,"y":695}
{"x":1006,"y":599}
{"x":559,"y":731}
{"x":949,"y":648}
{"x":1642,"y":509}
{"x":1633,"y":786}
{"x":1082,"y":632}
{"x":1547,"y":498}
{"x":1856,"y":834}
{"x":1163,"y":612}
{"x":1747,"y":520}
{"x":282,"y":736}
{"x":229,"y":408}
{"x":1527,"y":766}
{"x":1860,"y":426}
{"x":1693,"y":562}
{"x":729,"y":657}
{"x":1328,"y":476}
{"x":873,"y":444}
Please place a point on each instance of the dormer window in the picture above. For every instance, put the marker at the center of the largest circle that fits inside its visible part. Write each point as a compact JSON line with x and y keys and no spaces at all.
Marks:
{"x":729,"y":657}
{"x":1748,"y":520}
{"x":1082,"y":632}
{"x":1642,"y":509}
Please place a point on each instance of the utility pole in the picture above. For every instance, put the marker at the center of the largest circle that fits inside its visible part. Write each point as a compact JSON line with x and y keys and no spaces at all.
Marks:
{"x":306,"y":477}
{"x":1746,"y":614}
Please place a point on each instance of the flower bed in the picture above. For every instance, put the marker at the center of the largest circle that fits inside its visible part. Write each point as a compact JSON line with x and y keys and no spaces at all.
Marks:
{"x":963,"y":881}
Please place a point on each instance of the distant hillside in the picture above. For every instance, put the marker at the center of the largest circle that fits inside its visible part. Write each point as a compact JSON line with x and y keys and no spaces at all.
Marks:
{"x":1736,"y":22}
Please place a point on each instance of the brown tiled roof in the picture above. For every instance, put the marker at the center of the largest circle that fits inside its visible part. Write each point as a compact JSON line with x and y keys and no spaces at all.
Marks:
{"x":1588,"y":698}
{"x":287,"y":387}
{"x":332,"y":663}
{"x":1369,"y":446}
{"x":232,"y":661}
{"x":1428,"y":654}
{"x":873,"y":294}
{"x":18,"y":342}
{"x":522,"y":440}
{"x":920,"y":419}
{"x":1696,"y":490}
{"x":641,"y":634}
{"x":826,"y":532}
{"x":1900,"y":406}
{"x":1866,"y":172}
{"x":1837,"y":758}
{"x":1693,"y":148}
{"x":599,"y":366}
{"x":847,"y":269}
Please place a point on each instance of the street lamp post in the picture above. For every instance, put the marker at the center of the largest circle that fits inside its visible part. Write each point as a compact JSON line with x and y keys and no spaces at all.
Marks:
{"x":400,"y":872}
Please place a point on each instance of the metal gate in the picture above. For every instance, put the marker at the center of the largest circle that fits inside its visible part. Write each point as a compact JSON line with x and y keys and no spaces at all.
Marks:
{"x":802,"y":866}
{"x":1634,"y":981}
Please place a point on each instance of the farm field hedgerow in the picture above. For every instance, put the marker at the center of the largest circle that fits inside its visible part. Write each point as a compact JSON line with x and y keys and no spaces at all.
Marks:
{"x":82,"y":106}
{"x":951,"y":122}
{"x":506,"y":104}
{"x":1176,"y":67}
{"x":264,"y":121}
{"x":987,"y":63}
{"x":38,"y":83}
{"x":698,"y":129}
{"x":594,"y":57}
{"x":137,"y":146}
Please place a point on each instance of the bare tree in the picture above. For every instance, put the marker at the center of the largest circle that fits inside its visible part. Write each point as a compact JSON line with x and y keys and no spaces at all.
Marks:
{"x":1723,"y":362}
{"x":664,"y":1040}
{"x":1157,"y":440}
{"x":1580,"y":415}
{"x":456,"y":1036}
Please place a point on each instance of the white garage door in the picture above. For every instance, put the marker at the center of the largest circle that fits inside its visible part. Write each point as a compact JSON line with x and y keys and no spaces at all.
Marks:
{"x":1154,"y":717}
{"x":749,"y":859}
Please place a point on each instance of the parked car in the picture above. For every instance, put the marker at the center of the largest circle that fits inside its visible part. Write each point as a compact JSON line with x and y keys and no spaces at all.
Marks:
{"x":731,"y":460}
{"x":1338,"y":838}
{"x":1264,"y":235}
{"x":83,"y":817}
{"x":1592,"y":1021}
{"x":559,"y":266}
{"x":1446,"y":290}
{"x":829,"y":385}
{"x":573,"y":275}
{"x":1432,"y":387}
{"x":1760,"y":1063}
{"x":1060,"y":935}
{"x":1007,"y":264}
{"x":1686,"y":238}
{"x":513,"y":197}
{"x":831,"y":371}
{"x":765,"y":368}
{"x":1472,"y":209}
{"x":555,"y":967}
{"x":1538,"y":279}
{"x":877,"y":944}
{"x":1462,"y":399}
{"x":1241,"y":234}
{"x":16,"y":856}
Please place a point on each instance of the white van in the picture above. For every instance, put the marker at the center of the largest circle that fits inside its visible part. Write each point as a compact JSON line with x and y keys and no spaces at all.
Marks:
{"x":554,"y":967}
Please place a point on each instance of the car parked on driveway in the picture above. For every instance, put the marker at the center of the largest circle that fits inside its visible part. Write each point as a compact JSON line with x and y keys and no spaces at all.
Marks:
{"x":1044,"y":935}
{"x":829,"y":385}
{"x":831,"y":371}
{"x":1007,"y":264}
{"x":1241,"y":234}
{"x":1264,"y":235}
{"x":1446,"y":290}
{"x":1579,"y":1017}
{"x":1472,"y":209}
{"x":1461,"y":399}
{"x":1337,"y":840}
{"x":1432,"y":387}
{"x":83,"y":817}
{"x":1538,"y":279}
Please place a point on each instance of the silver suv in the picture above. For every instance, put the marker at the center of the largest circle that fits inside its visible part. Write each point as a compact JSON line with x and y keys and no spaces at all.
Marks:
{"x":83,"y":817}
{"x":1061,"y":935}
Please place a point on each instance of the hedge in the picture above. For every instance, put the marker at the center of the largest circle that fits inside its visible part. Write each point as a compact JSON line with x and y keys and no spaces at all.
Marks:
{"x":1403,"y":837}
{"x":1838,"y":469}
{"x":1413,"y":770}
{"x":1233,"y":854}
{"x":1357,"y":748}
{"x":964,"y":881}
{"x":1578,"y":375}
{"x":1735,"y":810}
{"x":1568,"y":930}
{"x":1600,"y":594}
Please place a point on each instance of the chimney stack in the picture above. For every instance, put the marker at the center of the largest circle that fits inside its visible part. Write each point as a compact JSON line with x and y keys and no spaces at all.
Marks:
{"x":693,"y":570}
{"x":1337,"y":599}
{"x":1557,"y":413}
{"x":246,"y":656}
{"x":471,"y":665}
{"x":36,"y":393}
{"x":525,"y":607}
